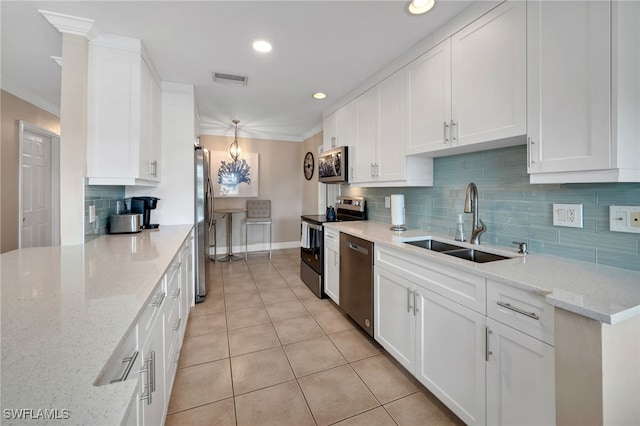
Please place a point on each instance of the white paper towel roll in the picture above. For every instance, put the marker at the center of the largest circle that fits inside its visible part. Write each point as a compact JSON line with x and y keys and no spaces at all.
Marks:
{"x":397,"y":209}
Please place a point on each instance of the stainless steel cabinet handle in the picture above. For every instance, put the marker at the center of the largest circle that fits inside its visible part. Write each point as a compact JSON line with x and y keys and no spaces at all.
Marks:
{"x":153,"y":372}
{"x":177,"y":266}
{"x":518,"y":310}
{"x":130,"y":360}
{"x":415,"y":302}
{"x":156,"y":303}
{"x":408,"y":300}
{"x":487,"y":332}
{"x":178,"y":353}
{"x":454,"y":133}
{"x":446,"y":136}
{"x":334,"y":141}
{"x":530,"y":142}
{"x":147,"y":387}
{"x":176,"y":293}
{"x":358,"y":248}
{"x":176,"y":327}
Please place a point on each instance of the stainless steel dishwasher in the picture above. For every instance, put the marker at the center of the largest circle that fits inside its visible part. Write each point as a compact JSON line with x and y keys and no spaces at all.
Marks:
{"x":356,"y":280}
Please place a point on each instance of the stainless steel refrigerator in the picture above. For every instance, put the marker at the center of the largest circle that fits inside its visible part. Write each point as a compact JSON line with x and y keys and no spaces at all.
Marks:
{"x":203,"y":220}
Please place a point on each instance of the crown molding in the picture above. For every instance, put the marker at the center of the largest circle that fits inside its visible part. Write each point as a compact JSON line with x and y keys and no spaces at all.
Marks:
{"x":27,"y":96}
{"x":214,"y":131}
{"x":68,"y":24}
{"x":314,"y":131}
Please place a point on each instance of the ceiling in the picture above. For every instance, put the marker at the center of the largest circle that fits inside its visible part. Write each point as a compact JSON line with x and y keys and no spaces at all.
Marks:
{"x":328,"y":46}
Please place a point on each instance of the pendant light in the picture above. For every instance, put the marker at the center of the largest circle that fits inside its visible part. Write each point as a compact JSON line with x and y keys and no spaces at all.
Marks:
{"x":234,"y":148}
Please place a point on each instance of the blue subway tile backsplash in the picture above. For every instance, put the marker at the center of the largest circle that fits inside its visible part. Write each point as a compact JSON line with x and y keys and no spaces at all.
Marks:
{"x":104,"y":198}
{"x":515,"y":210}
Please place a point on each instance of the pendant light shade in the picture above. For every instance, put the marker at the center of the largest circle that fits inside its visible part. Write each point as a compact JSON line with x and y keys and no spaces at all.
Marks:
{"x":234,"y":149}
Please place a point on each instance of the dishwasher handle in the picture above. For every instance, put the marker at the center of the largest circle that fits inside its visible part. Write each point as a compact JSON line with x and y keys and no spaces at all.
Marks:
{"x":358,"y":248}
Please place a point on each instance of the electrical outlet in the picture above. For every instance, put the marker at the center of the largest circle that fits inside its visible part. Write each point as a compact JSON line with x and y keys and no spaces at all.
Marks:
{"x":92,"y":214}
{"x":569,"y":215}
{"x":387,"y":202}
{"x":624,"y":219}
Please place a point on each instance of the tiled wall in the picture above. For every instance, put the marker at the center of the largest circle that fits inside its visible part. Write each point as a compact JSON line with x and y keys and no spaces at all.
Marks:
{"x":514,"y":210}
{"x":104,"y":198}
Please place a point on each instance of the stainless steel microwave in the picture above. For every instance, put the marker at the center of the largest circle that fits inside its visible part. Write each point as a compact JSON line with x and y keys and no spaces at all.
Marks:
{"x":333,"y":166}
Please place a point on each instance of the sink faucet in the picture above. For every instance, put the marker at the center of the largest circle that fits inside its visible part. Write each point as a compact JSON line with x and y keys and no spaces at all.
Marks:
{"x":471,"y":206}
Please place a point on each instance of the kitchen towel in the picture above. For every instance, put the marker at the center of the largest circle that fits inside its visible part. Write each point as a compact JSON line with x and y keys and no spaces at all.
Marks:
{"x":305,"y":242}
{"x":397,"y":209}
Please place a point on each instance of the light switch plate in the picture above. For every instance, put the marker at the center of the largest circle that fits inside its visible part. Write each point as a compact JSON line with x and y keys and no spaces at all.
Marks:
{"x":624,"y":219}
{"x":92,"y":214}
{"x":387,"y":202}
{"x":569,"y":215}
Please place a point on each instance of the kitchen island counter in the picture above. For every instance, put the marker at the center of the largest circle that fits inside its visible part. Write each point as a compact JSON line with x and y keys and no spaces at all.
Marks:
{"x":599,"y":292}
{"x":64,"y":312}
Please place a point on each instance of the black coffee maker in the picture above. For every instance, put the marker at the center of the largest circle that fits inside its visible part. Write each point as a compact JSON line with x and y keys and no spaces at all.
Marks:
{"x":144,"y":205}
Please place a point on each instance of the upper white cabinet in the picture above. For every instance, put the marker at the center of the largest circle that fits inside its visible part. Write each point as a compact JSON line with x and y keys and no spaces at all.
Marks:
{"x":338,"y":128}
{"x":583,"y":91}
{"x":378,"y":156}
{"x":124,"y":114}
{"x":469,"y":92}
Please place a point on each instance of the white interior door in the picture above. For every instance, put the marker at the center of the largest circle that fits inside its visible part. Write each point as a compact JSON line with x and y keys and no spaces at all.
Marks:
{"x":39,"y":187}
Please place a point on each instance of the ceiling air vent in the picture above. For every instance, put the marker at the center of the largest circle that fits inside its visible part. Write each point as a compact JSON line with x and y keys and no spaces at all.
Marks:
{"x":240,"y":80}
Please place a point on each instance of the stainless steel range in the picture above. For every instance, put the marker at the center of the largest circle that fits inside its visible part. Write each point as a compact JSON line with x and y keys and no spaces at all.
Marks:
{"x":312,"y":239}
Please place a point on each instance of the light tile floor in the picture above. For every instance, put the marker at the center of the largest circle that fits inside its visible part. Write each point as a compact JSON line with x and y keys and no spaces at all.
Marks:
{"x":263,"y":350}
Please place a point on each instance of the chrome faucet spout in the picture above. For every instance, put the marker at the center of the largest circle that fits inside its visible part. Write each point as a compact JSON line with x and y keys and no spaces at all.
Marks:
{"x":471,"y":206}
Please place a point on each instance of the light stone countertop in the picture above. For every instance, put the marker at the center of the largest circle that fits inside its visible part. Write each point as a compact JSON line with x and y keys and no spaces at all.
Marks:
{"x":602,"y":293}
{"x":64,"y":312}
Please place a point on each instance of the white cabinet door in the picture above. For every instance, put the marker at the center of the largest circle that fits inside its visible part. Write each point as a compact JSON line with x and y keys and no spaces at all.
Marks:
{"x":155,"y":131}
{"x":330,"y":132}
{"x":332,"y":265}
{"x":345,"y":125}
{"x":153,"y":402}
{"x":390,"y":149}
{"x":394,"y":319}
{"x":489,"y":76}
{"x":428,"y":100}
{"x":363,"y":156}
{"x":520,"y":378}
{"x":450,"y":354}
{"x":569,"y":85}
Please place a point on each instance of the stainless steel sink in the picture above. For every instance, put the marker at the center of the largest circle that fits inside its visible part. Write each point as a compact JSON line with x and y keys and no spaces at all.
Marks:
{"x":434,"y":245}
{"x":473,"y":255}
{"x":476,"y":255}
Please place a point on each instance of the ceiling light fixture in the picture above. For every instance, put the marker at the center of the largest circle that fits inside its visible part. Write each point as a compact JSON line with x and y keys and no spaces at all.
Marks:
{"x":262,"y":46}
{"x":319,"y":95}
{"x":234,"y":148}
{"x":418,"y":7}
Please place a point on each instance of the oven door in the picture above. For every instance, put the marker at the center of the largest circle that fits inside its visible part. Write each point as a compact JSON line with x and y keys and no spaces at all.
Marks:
{"x":311,"y":246}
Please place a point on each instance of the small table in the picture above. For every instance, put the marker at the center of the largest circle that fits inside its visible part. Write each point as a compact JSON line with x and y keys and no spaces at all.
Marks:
{"x":229,"y":257}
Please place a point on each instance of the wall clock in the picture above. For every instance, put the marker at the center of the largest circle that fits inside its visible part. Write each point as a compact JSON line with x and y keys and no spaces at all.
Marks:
{"x":308,"y":165}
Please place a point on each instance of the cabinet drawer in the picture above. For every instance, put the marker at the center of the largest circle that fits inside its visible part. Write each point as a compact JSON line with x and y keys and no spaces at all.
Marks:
{"x":173,"y":276}
{"x":467,"y":289}
{"x":524,"y":311}
{"x":332,"y":239}
{"x":154,"y":306}
{"x":121,"y":363}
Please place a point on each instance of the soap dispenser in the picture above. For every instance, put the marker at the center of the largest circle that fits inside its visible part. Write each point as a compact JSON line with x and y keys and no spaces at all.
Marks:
{"x":460,"y":229}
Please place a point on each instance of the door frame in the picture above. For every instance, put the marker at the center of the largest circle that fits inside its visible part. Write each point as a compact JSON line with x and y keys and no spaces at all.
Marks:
{"x":55,"y":179}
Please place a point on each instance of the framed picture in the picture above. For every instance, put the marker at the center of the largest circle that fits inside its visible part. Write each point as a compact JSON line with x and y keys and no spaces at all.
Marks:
{"x":235,"y":178}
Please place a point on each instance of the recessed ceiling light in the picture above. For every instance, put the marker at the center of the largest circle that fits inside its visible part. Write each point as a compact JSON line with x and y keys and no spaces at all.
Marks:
{"x":418,"y":7}
{"x":319,"y":95}
{"x":262,"y":46}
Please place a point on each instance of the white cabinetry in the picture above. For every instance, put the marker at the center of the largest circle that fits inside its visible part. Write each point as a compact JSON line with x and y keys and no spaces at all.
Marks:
{"x":338,"y":128}
{"x":520,"y":357}
{"x":441,"y":342}
{"x":450,"y":344}
{"x":378,"y":156}
{"x":124,"y":113}
{"x":332,"y":264}
{"x":583,"y":91}
{"x":469,"y":92}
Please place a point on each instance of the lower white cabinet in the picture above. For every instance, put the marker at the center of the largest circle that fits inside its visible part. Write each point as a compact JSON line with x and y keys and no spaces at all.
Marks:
{"x":450,"y":354}
{"x":395,"y":323}
{"x":495,"y":369}
{"x":152,"y":399}
{"x":332,"y":264}
{"x":520,"y":378}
